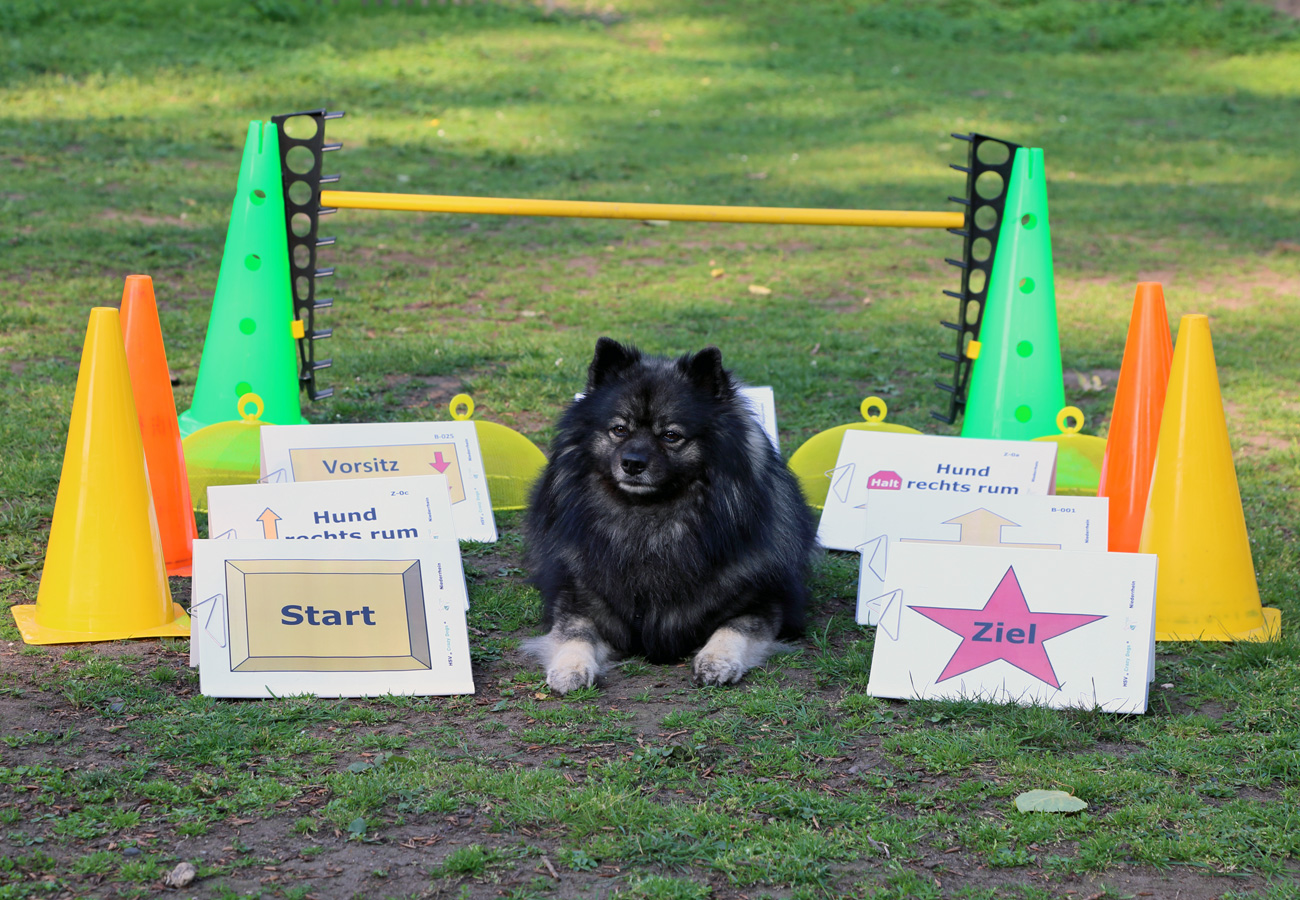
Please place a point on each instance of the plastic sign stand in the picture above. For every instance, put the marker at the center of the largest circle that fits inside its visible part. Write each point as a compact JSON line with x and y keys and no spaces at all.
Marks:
{"x":817,"y":454}
{"x":512,"y":462}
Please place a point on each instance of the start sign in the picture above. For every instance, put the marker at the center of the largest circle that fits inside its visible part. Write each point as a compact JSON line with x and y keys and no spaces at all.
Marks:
{"x":308,"y":615}
{"x":274,"y":618}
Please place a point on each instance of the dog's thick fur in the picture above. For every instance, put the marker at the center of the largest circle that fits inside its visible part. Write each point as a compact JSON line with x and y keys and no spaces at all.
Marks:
{"x":664,"y":523}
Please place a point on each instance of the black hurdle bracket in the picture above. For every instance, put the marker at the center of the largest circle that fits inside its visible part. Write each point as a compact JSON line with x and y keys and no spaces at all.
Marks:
{"x":301,"y":160}
{"x":979,"y":249}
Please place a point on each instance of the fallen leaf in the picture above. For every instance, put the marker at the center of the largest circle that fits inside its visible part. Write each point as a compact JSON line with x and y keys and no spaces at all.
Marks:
{"x":1049,"y":801}
{"x":760,"y":290}
{"x":717,"y":273}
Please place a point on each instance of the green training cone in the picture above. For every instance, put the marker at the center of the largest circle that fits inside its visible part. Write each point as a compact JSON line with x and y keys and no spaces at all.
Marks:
{"x":1016,"y":388}
{"x":250,"y":343}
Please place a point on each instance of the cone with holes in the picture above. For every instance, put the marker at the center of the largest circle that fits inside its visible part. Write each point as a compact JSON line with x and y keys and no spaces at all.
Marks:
{"x":1016,"y":388}
{"x":1205,"y":588}
{"x":104,"y":575}
{"x":156,"y":407}
{"x":1135,"y":420}
{"x":251,"y":331}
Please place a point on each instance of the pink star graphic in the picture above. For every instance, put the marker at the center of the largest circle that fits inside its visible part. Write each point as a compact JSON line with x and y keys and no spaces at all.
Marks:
{"x":1007,"y":629}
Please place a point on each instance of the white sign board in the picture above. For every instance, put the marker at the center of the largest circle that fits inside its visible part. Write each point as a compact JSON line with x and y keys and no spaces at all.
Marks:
{"x":1061,"y":629}
{"x":386,"y":450}
{"x":367,"y":509}
{"x":382,"y":509}
{"x":1027,"y":522}
{"x":762,"y":403}
{"x":871,"y":462}
{"x":338,"y":619}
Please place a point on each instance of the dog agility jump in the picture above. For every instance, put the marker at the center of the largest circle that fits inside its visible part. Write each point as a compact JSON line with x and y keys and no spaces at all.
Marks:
{"x":282,"y":172}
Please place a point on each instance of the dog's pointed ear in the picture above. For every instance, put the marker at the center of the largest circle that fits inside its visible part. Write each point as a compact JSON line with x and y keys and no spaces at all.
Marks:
{"x":610,"y":359}
{"x":705,"y":371}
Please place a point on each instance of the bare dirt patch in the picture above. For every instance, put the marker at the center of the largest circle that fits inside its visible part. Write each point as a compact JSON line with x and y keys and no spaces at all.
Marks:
{"x":424,"y":391}
{"x":524,"y":421}
{"x":589,"y":266}
{"x":1227,"y":291}
{"x":1253,"y":443}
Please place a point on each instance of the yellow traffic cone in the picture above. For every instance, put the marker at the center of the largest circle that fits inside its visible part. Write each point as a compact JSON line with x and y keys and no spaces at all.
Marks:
{"x":104,"y":576}
{"x":1205,"y":588}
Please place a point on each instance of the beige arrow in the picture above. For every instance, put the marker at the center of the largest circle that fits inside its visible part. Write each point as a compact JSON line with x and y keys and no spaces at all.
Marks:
{"x":982,"y":528}
{"x":268,"y":520}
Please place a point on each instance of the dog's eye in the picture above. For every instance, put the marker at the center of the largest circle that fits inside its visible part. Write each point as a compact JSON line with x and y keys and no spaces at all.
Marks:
{"x":619,"y":431}
{"x":670,"y":437}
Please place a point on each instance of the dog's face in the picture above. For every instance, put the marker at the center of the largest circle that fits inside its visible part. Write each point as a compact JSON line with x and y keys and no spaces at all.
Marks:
{"x":649,"y":419}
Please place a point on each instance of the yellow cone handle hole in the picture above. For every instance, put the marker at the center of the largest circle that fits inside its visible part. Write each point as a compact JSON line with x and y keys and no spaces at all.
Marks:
{"x":254,"y":401}
{"x":874,"y":409}
{"x":1070,"y":420}
{"x":459,"y":401}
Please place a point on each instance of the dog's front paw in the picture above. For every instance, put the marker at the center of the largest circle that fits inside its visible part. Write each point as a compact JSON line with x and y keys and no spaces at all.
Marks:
{"x":717,"y":668}
{"x":573,"y":666}
{"x":730,"y":653}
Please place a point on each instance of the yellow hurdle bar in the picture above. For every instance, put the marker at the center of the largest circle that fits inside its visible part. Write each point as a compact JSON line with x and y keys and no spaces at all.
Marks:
{"x":673,"y":212}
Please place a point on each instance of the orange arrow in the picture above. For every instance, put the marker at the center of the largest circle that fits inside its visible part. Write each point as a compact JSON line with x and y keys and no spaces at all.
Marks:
{"x":982,"y":528}
{"x":268,"y":520}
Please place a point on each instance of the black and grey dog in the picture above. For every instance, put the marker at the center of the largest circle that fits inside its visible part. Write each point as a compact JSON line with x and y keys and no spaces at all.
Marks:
{"x":665,"y":523}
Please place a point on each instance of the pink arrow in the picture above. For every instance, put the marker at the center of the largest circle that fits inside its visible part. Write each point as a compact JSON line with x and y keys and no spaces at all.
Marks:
{"x":440,"y":464}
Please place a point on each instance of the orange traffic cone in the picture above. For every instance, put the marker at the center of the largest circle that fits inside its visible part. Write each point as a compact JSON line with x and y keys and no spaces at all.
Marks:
{"x":1205,"y":584}
{"x":154,"y":403}
{"x":104,"y":577}
{"x":1135,"y":420}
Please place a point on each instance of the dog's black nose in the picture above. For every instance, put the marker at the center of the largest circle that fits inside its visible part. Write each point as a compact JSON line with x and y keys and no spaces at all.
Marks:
{"x":633,"y":463}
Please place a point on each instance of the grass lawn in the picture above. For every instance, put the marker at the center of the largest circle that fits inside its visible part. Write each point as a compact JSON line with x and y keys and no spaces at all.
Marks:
{"x":1170,"y":134}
